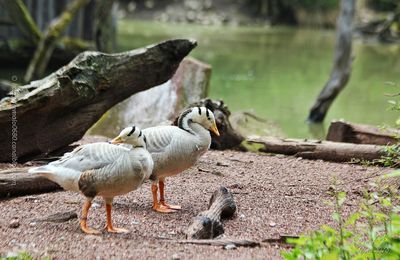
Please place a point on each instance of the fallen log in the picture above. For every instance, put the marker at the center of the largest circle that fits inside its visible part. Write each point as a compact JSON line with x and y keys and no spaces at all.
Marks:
{"x":341,"y":131}
{"x":53,"y":112}
{"x":207,"y":224}
{"x":17,"y":182}
{"x":324,"y":150}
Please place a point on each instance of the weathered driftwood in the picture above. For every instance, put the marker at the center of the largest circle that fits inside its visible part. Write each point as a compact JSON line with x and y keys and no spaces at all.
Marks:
{"x":19,"y":14}
{"x":229,"y":138}
{"x":5,"y":87}
{"x":48,"y":42}
{"x":325,"y":150}
{"x":341,"y":131}
{"x":53,"y":112}
{"x":341,"y":70}
{"x":17,"y":182}
{"x":207,"y":224}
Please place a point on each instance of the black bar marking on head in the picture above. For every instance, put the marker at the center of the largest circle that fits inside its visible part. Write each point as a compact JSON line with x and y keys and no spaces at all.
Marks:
{"x":182,"y":117}
{"x":140,"y":134}
{"x":132,"y":131}
{"x":199,"y":110}
{"x":208,"y":113}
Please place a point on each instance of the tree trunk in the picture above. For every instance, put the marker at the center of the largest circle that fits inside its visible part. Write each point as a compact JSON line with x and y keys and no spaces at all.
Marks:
{"x":104,"y":34}
{"x":19,"y":14}
{"x":48,"y":42}
{"x":340,"y":131}
{"x":341,"y":70}
{"x":324,"y":150}
{"x":207,"y":224}
{"x":53,"y":112}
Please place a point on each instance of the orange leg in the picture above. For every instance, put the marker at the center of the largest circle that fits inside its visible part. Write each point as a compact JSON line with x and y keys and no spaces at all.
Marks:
{"x":109,"y":225}
{"x":162,"y":198}
{"x":156,"y":205}
{"x":83,"y":222}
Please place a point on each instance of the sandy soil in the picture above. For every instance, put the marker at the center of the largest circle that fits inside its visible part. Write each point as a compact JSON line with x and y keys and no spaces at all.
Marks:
{"x":275,"y":195}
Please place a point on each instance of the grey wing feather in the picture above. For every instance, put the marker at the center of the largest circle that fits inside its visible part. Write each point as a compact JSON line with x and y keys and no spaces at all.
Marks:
{"x":90,"y":156}
{"x":160,"y":138}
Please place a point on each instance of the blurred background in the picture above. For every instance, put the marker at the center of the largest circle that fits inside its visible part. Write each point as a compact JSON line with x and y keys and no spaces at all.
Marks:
{"x":269,"y":57}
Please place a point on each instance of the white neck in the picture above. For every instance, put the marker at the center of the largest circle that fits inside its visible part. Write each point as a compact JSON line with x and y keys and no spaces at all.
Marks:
{"x":198,"y":129}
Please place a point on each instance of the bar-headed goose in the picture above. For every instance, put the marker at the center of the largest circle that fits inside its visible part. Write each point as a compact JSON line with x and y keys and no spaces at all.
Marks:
{"x":102,"y":169}
{"x":177,"y":148}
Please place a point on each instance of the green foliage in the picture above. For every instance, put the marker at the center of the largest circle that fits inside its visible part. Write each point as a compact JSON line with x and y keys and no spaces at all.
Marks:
{"x":391,"y":157}
{"x":371,"y":233}
{"x":20,"y":256}
{"x":23,"y":256}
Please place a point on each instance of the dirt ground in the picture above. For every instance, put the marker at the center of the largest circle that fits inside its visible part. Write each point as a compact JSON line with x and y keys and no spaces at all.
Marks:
{"x":275,"y":195}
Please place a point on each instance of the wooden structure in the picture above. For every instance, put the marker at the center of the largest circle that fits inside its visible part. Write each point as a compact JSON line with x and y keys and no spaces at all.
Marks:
{"x":81,"y":34}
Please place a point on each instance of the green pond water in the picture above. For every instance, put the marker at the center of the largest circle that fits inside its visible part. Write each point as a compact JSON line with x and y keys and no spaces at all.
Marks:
{"x":278,"y":72}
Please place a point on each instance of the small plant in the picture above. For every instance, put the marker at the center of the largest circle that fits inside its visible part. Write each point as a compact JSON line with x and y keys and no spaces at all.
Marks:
{"x":20,"y":256}
{"x":391,"y":157}
{"x":371,"y":233}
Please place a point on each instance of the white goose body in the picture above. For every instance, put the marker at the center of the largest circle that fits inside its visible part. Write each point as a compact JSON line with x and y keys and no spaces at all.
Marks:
{"x":177,"y":148}
{"x":102,"y":169}
{"x":174,"y":150}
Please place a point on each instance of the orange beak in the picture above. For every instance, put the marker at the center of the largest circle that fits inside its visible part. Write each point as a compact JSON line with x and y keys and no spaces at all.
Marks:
{"x":214,"y":129}
{"x":116,"y":140}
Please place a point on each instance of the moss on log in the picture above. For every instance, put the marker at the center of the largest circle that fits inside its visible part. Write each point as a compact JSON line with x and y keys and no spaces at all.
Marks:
{"x":53,"y":112}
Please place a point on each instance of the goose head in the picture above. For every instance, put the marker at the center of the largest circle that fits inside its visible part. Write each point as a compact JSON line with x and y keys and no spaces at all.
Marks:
{"x":200,"y":115}
{"x":132,"y":135}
